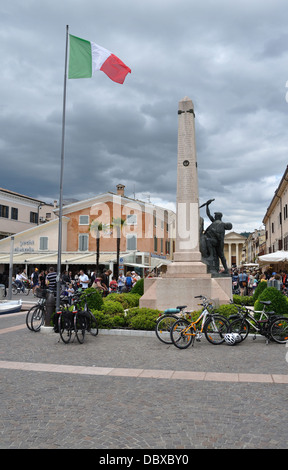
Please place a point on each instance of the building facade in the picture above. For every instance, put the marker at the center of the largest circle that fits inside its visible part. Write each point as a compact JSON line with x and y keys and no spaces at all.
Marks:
{"x":19,"y":212}
{"x":233,"y":248}
{"x":276,"y":218}
{"x":146,"y":232}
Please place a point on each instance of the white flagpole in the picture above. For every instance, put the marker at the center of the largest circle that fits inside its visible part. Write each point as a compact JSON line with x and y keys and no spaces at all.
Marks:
{"x":61,"y":178}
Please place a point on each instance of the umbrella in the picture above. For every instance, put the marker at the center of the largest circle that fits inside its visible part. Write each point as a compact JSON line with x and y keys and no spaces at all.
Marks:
{"x":277,"y":257}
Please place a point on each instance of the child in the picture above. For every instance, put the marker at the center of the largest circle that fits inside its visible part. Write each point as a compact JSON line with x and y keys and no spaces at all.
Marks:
{"x":113,"y":284}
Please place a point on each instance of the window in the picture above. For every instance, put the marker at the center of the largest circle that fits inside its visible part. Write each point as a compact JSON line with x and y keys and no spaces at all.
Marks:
{"x":83,"y":242}
{"x":84,"y":220}
{"x":155,"y":243}
{"x":43,"y":243}
{"x":4,"y":211}
{"x":161,"y":244}
{"x":14,"y":213}
{"x":33,"y":217}
{"x":131,"y":219}
{"x":168,"y":247}
{"x":131,"y":242}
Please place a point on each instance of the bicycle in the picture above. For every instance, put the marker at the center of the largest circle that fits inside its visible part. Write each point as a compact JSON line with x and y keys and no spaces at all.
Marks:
{"x":36,"y":315}
{"x":24,"y":289}
{"x":78,"y":320}
{"x":269,"y":325}
{"x":214,"y":326}
{"x":165,"y":322}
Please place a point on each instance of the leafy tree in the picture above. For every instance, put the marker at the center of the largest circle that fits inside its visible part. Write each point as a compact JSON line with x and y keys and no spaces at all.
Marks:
{"x":118,"y":224}
{"x":96,"y":227}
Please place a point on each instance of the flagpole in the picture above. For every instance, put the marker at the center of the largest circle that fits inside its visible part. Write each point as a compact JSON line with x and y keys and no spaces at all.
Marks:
{"x":61,"y":178}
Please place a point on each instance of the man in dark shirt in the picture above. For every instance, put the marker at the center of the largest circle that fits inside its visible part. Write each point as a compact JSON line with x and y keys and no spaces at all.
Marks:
{"x":51,"y":279}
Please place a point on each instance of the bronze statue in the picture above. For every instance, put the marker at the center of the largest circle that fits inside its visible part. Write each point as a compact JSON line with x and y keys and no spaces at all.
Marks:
{"x":212,"y":240}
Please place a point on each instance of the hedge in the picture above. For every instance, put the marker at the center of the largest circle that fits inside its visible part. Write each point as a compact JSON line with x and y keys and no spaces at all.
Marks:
{"x":279,"y":303}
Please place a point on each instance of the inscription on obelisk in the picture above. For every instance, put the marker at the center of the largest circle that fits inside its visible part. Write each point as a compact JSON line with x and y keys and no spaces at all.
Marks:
{"x":187,"y":203}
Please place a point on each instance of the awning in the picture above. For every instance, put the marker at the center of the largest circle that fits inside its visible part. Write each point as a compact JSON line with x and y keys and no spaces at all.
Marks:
{"x":277,"y":257}
{"x":51,"y":258}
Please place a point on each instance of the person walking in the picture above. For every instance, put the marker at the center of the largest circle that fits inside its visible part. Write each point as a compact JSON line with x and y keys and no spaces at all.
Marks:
{"x":83,"y":279}
{"x":35,"y":279}
{"x":51,"y":280}
{"x":243,"y":279}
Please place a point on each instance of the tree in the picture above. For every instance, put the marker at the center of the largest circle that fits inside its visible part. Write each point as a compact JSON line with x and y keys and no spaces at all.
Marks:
{"x":118,"y":224}
{"x":96,"y":227}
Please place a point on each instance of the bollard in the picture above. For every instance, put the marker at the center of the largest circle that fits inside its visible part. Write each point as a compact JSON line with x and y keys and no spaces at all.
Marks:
{"x":50,"y":307}
{"x":2,"y":291}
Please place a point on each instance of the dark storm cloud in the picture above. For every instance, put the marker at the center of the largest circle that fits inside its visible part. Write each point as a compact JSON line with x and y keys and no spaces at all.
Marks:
{"x":230,"y":59}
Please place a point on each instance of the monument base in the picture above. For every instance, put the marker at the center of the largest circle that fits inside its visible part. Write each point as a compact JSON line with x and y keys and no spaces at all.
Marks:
{"x":182,"y":282}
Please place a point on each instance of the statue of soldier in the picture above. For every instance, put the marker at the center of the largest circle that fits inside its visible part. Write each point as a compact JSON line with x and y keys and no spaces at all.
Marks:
{"x":212,"y":241}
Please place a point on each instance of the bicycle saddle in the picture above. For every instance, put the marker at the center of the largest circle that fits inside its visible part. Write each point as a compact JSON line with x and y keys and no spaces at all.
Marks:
{"x":265,"y":302}
{"x":171,"y":310}
{"x":181,"y":306}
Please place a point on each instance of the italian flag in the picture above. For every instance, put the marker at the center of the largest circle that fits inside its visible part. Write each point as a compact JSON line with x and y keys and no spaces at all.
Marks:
{"x":86,"y":58}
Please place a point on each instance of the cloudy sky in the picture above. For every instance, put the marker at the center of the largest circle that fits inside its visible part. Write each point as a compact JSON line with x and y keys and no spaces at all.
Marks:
{"x":230,"y":58}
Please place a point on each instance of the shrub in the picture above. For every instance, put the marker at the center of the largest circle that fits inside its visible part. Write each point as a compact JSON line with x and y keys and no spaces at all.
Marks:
{"x":259,"y":289}
{"x":142,"y":318}
{"x":227,"y":310}
{"x":112,"y":307}
{"x":279,"y":302}
{"x":138,"y":288}
{"x":94,"y":301}
{"x":128,"y":300}
{"x":243,"y":299}
{"x":106,"y":321}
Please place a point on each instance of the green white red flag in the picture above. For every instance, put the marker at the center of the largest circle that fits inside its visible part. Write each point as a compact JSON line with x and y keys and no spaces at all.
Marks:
{"x":86,"y":58}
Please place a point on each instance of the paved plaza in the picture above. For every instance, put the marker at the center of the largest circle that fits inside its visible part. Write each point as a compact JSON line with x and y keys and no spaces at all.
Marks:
{"x":134,"y":392}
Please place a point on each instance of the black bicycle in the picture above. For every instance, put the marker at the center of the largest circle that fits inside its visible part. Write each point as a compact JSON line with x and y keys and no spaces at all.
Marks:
{"x":36,"y":315}
{"x":270,"y":325}
{"x":77,"y":319}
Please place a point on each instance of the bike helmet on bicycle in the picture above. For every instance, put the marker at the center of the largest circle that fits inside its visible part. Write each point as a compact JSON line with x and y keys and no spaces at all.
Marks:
{"x":230,"y":339}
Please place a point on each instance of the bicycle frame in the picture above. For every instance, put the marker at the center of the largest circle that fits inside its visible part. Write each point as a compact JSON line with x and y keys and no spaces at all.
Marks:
{"x":193,"y":324}
{"x":256,"y":325}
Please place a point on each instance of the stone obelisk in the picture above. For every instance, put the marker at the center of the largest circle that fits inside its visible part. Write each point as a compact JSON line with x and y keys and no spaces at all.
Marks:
{"x":186,"y":276}
{"x":187,"y":256}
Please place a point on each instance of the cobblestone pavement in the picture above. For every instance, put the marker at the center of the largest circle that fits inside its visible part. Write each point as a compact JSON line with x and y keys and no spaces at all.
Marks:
{"x":129,"y":392}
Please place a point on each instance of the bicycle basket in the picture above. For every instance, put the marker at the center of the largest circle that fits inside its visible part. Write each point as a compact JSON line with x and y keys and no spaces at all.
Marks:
{"x":41,"y":293}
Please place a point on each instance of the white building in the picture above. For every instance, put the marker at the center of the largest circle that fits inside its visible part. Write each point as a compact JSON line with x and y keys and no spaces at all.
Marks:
{"x":19,"y":212}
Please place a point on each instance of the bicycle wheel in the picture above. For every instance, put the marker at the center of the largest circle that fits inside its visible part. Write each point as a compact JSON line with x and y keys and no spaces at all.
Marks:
{"x":179,"y":337}
{"x":163,"y":327}
{"x":26,"y":291}
{"x":14,"y":290}
{"x":215,"y":329}
{"x":80,"y":326}
{"x":93,"y":325}
{"x":38,"y":318}
{"x":29,"y":317}
{"x":65,"y":326}
{"x":279,"y":330}
{"x":240,"y":326}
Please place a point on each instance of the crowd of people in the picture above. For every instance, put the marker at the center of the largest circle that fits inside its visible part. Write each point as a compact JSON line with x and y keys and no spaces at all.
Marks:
{"x":103,"y":282}
{"x":245,"y":282}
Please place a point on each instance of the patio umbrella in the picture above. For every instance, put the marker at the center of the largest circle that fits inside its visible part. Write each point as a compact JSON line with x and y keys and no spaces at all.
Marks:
{"x":277,"y":257}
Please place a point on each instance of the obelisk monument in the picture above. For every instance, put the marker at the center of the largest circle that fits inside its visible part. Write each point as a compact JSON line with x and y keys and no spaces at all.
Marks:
{"x":187,"y":251}
{"x":187,"y":275}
